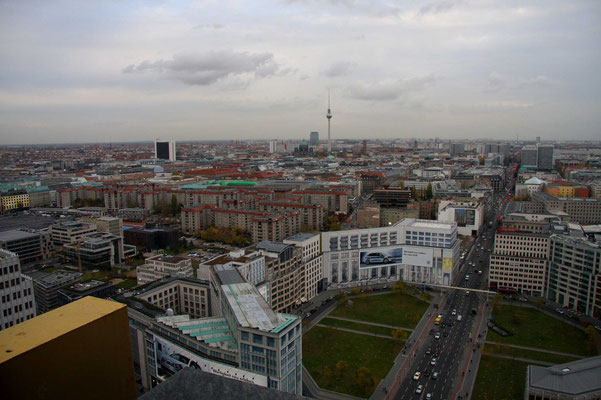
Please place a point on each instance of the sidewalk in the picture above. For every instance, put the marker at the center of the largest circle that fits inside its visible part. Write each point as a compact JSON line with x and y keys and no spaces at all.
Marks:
{"x":370,"y":323}
{"x":338,"y":328}
{"x":536,"y":349}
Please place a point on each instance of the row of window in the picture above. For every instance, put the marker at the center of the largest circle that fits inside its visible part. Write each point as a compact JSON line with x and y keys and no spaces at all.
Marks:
{"x":16,"y":295}
{"x":17,"y":308}
{"x":10,"y":283}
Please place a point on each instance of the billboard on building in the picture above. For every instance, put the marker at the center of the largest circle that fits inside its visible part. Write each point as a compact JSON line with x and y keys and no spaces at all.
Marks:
{"x":465,"y":217}
{"x":171,"y":358}
{"x":382,"y":256}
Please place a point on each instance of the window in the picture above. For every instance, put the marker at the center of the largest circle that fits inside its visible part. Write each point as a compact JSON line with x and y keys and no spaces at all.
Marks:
{"x":258,"y":339}
{"x":270,"y":342}
{"x":244,"y":335}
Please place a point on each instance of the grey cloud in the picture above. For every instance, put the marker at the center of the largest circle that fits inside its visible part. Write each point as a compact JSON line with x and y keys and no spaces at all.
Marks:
{"x":338,"y":69}
{"x":436,"y":8}
{"x":389,"y":90}
{"x":539,"y":80}
{"x":206,"y":69}
{"x":496,"y":81}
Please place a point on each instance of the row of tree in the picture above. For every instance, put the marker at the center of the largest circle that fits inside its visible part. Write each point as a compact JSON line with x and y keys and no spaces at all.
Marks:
{"x":235,"y":236}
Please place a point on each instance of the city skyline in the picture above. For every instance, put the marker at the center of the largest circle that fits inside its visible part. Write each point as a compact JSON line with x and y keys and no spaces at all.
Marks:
{"x":189,"y":71}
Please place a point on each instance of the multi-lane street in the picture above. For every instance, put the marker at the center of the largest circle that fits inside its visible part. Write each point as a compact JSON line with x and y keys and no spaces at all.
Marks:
{"x":439,"y":357}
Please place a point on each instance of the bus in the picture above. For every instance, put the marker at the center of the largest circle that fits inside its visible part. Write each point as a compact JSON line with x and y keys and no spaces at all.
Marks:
{"x":438,"y":319}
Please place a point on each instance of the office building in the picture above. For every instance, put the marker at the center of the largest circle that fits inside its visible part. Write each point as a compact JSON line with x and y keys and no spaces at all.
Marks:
{"x":575,"y":380}
{"x":160,"y":266}
{"x":467,"y":214}
{"x":285,"y":274}
{"x":46,"y":286}
{"x":76,"y":291}
{"x":392,"y":196}
{"x":181,"y":295}
{"x":310,"y":246}
{"x":457,"y":149}
{"x":164,"y":150}
{"x":66,"y":232}
{"x":518,"y":262}
{"x":412,"y":250}
{"x":249,"y":262}
{"x":16,"y":291}
{"x":574,"y":274}
{"x":544,"y":157}
{"x":15,"y":201}
{"x":529,"y":156}
{"x":314,"y":139}
{"x":98,"y":251}
{"x":242,"y":338}
{"x":30,"y":245}
{"x":80,"y":351}
{"x":585,"y":211}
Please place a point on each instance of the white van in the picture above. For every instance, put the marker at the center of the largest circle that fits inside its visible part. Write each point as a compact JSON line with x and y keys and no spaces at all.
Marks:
{"x":459,"y":318}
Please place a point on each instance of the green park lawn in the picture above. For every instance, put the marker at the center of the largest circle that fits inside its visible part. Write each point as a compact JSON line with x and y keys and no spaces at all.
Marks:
{"x":393,"y":309}
{"x":127,"y":283}
{"x":533,"y":328}
{"x":325,"y":347}
{"x":500,"y":379}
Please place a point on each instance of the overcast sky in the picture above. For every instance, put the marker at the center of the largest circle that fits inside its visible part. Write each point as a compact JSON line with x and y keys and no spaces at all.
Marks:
{"x":115,"y":70}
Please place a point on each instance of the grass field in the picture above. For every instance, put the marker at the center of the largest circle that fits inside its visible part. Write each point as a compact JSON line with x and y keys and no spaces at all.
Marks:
{"x":357,"y":326}
{"x":326,"y":347}
{"x":127,"y":283}
{"x":530,"y":354}
{"x":500,"y":379}
{"x":531,"y":327}
{"x":391,"y":309}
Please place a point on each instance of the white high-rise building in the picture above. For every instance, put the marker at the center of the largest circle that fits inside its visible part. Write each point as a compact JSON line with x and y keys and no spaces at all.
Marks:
{"x":16,"y":291}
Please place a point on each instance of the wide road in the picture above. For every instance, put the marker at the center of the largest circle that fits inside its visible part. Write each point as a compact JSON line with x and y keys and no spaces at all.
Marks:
{"x":448,"y":340}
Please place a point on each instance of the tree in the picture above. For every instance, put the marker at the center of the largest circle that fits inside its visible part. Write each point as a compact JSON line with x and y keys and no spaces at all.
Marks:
{"x":592,"y":338}
{"x":539,"y":302}
{"x":399,"y":336}
{"x":342,"y":298}
{"x":355,"y":291}
{"x":174,"y":206}
{"x":364,"y":381}
{"x":341,"y":368}
{"x":429,"y":194}
{"x":402,"y":184}
{"x":326,"y":375}
{"x":496,"y":301}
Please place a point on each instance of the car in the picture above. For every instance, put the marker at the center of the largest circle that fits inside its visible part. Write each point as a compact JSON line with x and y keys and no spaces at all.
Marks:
{"x":450,"y":323}
{"x":459,"y":317}
{"x":427,"y":372}
{"x":445,"y":334}
{"x":428,"y":351}
{"x":420,"y":389}
{"x":433,"y":361}
{"x":559,"y":311}
{"x":375,"y":258}
{"x":417,"y":375}
{"x":428,"y":396}
{"x":437,"y":335}
{"x":435,"y":375}
{"x":170,"y":366}
{"x":431,"y":331}
{"x":454,"y":312}
{"x":467,"y":292}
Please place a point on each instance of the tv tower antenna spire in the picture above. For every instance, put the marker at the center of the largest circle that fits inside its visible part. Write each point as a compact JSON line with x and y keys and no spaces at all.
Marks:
{"x":329,"y":117}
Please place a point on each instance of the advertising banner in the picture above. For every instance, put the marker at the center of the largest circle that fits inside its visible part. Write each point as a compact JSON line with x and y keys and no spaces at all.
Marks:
{"x":172,"y":358}
{"x":383,"y":256}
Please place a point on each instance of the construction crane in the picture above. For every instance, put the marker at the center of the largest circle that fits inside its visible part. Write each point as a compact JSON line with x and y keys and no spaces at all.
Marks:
{"x":63,"y":249}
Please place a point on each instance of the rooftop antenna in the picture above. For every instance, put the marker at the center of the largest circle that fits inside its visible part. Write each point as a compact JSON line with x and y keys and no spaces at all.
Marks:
{"x":329,"y":117}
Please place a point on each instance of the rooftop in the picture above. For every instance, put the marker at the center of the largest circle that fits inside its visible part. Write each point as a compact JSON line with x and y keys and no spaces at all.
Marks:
{"x":9,"y":236}
{"x":56,"y":278}
{"x":301,"y":237}
{"x":168,"y":259}
{"x":250,"y":308}
{"x":423,"y":223}
{"x":273,"y":247}
{"x":573,"y":378}
{"x":213,"y":331}
{"x":37,"y":331}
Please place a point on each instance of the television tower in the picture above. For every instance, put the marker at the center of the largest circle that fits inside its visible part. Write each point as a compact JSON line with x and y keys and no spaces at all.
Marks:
{"x":329,"y":117}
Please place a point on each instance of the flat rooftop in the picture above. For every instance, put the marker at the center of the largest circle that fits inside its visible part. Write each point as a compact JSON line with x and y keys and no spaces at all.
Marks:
{"x":56,"y":278}
{"x":422,"y":223}
{"x":168,"y":259}
{"x":573,"y":378}
{"x":250,"y":308}
{"x":214,"y":331}
{"x":37,"y":331}
{"x":301,"y":237}
{"x":82,"y":287}
{"x":9,"y":236}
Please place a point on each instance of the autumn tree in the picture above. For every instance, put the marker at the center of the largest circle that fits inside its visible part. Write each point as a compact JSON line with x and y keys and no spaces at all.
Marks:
{"x":342,"y":298}
{"x":539,"y":302}
{"x":341,"y":367}
{"x":364,"y":381}
{"x":355,"y":291}
{"x":399,"y":336}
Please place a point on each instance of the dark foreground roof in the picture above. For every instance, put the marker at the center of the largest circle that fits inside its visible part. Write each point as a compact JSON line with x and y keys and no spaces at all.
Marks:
{"x":195,"y":384}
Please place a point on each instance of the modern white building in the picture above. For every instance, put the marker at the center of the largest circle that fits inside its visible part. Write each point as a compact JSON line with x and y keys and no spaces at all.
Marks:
{"x":249,"y":262}
{"x":418,"y":251}
{"x":530,"y":186}
{"x":161,"y":266}
{"x":16,"y":292}
{"x":467,"y":214}
{"x":310,"y":243}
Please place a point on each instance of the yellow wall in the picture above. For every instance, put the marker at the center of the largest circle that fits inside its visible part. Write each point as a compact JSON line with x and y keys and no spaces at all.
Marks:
{"x":560,"y":191}
{"x":79,"y":351}
{"x":15,"y":201}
